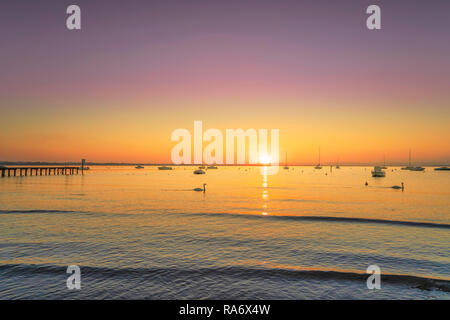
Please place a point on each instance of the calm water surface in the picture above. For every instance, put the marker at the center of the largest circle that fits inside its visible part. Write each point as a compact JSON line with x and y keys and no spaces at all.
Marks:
{"x":301,"y":233}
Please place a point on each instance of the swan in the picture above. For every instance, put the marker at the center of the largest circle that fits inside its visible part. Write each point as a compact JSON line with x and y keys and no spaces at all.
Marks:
{"x":200,"y":189}
{"x":398,"y":187}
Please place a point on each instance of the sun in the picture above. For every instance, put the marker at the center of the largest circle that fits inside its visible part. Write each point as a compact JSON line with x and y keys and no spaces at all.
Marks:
{"x":264,"y":159}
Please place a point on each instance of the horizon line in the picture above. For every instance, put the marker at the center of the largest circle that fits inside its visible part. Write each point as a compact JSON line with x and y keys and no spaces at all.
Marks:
{"x":326,"y":164}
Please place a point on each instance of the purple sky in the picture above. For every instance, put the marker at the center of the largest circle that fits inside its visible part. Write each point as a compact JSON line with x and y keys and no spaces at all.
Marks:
{"x":140,"y":55}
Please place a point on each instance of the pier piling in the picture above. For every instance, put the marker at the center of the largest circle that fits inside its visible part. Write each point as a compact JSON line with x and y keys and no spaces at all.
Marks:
{"x":23,"y":171}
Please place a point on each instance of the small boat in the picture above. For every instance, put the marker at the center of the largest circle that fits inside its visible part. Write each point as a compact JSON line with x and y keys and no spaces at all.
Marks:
{"x":442,"y":169}
{"x":199,"y":171}
{"x":164,"y":168}
{"x":139,"y":167}
{"x":201,"y":167}
{"x":212,"y":167}
{"x":377,"y":172}
{"x":411,"y":168}
{"x":318,"y":166}
{"x":285,"y":163}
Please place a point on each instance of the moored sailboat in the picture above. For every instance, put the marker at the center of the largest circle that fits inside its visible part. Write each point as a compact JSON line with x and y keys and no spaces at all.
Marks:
{"x":411,"y":168}
{"x":285,"y":163}
{"x":318,"y":166}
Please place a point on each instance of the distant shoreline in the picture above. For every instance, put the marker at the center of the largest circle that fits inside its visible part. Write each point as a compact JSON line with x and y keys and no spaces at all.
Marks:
{"x":39,"y":163}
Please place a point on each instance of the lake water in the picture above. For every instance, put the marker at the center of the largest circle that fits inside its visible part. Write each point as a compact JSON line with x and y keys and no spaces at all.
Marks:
{"x":298,"y":234}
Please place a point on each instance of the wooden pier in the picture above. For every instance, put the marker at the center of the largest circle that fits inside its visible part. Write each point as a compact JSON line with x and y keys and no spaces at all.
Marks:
{"x":38,"y":171}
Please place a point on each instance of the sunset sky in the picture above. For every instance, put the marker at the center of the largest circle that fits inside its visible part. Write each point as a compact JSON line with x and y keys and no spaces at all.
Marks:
{"x":138,"y":70}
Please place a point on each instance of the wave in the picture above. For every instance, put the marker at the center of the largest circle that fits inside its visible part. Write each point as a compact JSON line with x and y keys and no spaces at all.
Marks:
{"x":36,"y":211}
{"x":332,"y":219}
{"x":368,"y":220}
{"x":311,"y":201}
{"x":422,"y":283}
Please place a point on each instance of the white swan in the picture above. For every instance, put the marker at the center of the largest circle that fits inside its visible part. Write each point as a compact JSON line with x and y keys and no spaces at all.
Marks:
{"x":398,"y":187}
{"x":200,"y":189}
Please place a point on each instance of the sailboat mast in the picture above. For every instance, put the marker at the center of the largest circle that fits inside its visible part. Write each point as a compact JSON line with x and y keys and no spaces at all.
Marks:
{"x":410,"y":157}
{"x":319,"y":156}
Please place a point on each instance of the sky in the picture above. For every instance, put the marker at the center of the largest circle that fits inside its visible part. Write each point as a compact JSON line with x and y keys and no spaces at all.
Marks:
{"x":137,"y":70}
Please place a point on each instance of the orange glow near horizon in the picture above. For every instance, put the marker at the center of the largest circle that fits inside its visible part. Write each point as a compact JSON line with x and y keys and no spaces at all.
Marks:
{"x":137,"y":134}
